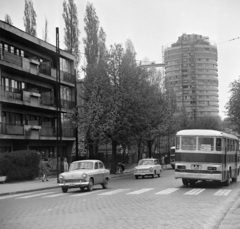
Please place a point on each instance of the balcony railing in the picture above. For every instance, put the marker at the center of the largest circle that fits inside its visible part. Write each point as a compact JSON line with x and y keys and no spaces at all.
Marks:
{"x":44,"y":67}
{"x":25,"y":96}
{"x":26,"y":130}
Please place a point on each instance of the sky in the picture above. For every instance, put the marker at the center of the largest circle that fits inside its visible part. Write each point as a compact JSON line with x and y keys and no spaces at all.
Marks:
{"x":150,"y":25}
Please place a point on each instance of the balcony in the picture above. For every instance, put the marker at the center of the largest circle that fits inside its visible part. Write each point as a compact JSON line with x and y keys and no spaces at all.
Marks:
{"x":33,"y":130}
{"x":33,"y":66}
{"x":32,"y":98}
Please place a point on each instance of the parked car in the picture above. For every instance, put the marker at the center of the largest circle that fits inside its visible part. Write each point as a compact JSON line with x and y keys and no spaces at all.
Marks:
{"x":84,"y":174}
{"x":148,"y":167}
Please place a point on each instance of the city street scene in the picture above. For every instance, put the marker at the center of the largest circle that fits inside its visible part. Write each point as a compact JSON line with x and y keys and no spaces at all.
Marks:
{"x":119,"y":114}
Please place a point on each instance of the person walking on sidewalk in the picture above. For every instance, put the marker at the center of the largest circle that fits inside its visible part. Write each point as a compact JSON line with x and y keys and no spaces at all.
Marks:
{"x":45,"y":166}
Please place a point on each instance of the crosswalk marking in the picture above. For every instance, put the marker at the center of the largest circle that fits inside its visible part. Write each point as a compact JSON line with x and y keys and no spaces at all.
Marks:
{"x":54,"y":195}
{"x":113,"y":192}
{"x":15,"y":195}
{"x":167,"y":191}
{"x":140,"y":191}
{"x":39,"y":194}
{"x":87,"y":193}
{"x":224,"y":192}
{"x":195,"y":191}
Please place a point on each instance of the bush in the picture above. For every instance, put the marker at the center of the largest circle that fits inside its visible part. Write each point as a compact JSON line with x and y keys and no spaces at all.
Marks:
{"x":19,"y":165}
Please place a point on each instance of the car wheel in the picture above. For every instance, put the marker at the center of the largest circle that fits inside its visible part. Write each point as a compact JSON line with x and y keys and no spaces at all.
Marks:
{"x":105,"y":183}
{"x":136,"y":176}
{"x":82,"y":188}
{"x":90,"y":185}
{"x":234,"y":179}
{"x":185,"y":182}
{"x":159,"y":174}
{"x":143,"y":176}
{"x":64,"y":189}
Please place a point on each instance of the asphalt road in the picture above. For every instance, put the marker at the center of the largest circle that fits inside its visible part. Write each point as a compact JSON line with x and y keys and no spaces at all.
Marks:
{"x":128,"y":203}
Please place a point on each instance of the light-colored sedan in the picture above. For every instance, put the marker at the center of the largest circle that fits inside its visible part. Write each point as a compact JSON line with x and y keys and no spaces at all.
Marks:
{"x":148,"y":167}
{"x":84,"y":174}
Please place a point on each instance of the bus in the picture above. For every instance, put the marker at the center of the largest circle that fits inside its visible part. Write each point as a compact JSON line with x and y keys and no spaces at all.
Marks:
{"x":172,"y":157}
{"x":206,"y":155}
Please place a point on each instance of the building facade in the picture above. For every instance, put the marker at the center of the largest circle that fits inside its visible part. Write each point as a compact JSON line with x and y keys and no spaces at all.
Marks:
{"x":33,"y":97}
{"x":191,"y":75}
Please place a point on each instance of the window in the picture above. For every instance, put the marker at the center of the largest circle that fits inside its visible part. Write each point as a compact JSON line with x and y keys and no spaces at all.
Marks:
{"x":96,"y":165}
{"x":101,"y":166}
{"x":189,"y":143}
{"x":205,"y":144}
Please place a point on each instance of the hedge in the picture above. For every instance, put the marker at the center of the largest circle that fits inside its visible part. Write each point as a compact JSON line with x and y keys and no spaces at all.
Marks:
{"x":19,"y":165}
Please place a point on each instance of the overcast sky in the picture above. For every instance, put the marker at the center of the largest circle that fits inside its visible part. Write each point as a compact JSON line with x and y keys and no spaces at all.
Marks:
{"x":150,"y":24}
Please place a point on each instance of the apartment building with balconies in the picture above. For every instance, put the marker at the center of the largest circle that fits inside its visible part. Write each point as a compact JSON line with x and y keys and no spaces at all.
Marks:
{"x":191,"y":74}
{"x":29,"y":92}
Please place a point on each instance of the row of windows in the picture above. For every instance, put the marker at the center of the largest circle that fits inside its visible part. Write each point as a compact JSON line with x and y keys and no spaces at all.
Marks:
{"x":188,"y":49}
{"x":191,"y":65}
{"x":64,"y":64}
{"x":191,"y":60}
{"x":199,"y":81}
{"x":198,"y":97}
{"x":190,"y":76}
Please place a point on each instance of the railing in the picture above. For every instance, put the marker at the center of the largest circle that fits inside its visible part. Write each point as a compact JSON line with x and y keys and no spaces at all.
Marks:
{"x":48,"y":100}
{"x":10,"y":93}
{"x":44,"y":131}
{"x":44,"y":67}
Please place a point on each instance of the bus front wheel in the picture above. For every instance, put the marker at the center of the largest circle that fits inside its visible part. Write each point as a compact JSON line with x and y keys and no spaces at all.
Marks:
{"x":227,"y":182}
{"x":185,"y":182}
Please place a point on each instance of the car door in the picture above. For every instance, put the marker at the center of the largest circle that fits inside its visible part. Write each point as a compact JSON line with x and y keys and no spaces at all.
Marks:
{"x":102,"y":170}
{"x":157,"y":166}
{"x":97,"y":173}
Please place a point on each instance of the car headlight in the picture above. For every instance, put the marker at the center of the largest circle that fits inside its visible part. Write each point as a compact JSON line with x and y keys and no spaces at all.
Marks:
{"x":84,"y":175}
{"x":135,"y":170}
{"x":60,"y":178}
{"x":151,"y":169}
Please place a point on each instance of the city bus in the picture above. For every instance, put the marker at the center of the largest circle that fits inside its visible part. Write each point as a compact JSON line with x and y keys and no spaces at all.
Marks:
{"x":206,"y":155}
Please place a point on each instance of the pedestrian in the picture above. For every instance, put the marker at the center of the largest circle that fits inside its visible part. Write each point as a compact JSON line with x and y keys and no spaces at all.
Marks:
{"x":166,"y":160}
{"x":45,"y":166}
{"x":65,"y":165}
{"x":162,"y":160}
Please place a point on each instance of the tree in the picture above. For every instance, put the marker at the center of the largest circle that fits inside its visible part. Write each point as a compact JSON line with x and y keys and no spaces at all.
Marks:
{"x":30,"y":18}
{"x":45,"y":31}
{"x":71,"y":30}
{"x":233,"y":105}
{"x":8,"y":19}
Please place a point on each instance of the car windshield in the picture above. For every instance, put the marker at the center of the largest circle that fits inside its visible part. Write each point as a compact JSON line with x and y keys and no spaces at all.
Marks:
{"x":81,"y":165}
{"x":146,"y":162}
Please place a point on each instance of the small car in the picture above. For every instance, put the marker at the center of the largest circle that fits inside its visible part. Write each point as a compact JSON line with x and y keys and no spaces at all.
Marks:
{"x":84,"y":174}
{"x":148,"y":167}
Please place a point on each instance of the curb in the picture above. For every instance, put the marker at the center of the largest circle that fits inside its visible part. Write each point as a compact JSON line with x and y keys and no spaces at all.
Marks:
{"x":57,"y":186}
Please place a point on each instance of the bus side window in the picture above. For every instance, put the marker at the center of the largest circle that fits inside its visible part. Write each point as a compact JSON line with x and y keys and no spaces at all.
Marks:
{"x":218,"y":144}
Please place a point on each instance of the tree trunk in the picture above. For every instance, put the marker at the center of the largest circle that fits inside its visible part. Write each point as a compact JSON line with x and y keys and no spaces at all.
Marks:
{"x":139,"y":150}
{"x":149,"y":149}
{"x":114,"y":153}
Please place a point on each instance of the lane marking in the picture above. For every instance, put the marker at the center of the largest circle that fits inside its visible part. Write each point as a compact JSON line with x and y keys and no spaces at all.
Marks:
{"x":140,"y":191}
{"x":113,"y":192}
{"x":15,"y":195}
{"x":40,"y":194}
{"x":167,"y":191}
{"x":87,"y":193}
{"x":195,"y":191}
{"x":223,"y":192}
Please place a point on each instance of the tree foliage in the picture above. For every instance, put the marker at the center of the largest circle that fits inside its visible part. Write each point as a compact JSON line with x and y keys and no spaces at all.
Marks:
{"x":233,"y":105}
{"x":8,"y":19}
{"x":71,"y":30}
{"x":30,"y":18}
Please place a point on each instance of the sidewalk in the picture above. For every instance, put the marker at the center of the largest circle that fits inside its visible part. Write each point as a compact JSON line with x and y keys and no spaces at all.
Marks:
{"x":37,"y":184}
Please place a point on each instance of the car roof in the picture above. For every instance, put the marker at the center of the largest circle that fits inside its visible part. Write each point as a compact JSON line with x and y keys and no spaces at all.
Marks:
{"x":148,"y":159}
{"x":88,"y":161}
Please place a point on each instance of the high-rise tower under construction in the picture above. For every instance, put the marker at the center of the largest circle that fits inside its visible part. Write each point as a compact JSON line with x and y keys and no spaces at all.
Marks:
{"x":191,"y":74}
